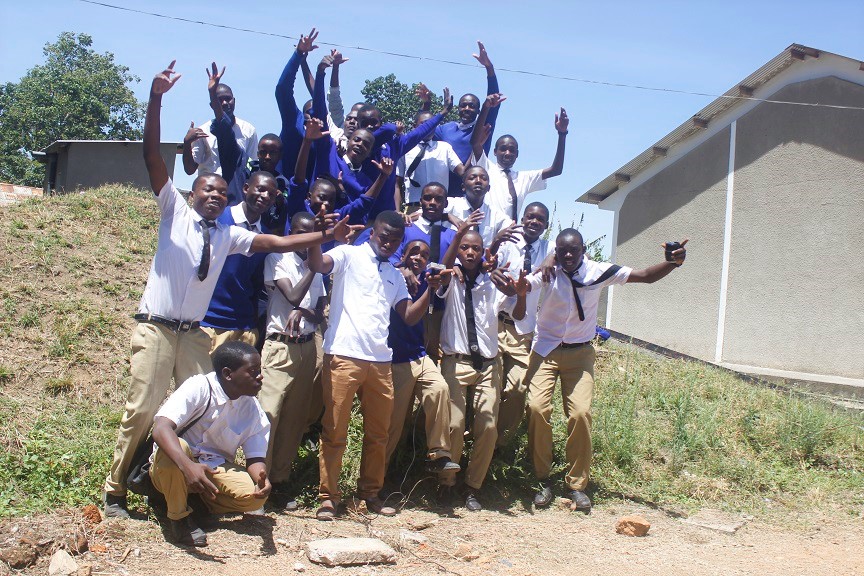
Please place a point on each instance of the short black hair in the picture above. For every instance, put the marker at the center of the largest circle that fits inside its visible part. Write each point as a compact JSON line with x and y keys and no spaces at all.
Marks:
{"x":434,"y":184}
{"x":419,"y":114}
{"x":302,"y":218}
{"x":231,"y":355}
{"x":537,"y":205}
{"x":204,"y":176}
{"x":390,"y":218}
{"x":365,"y":108}
{"x":225,"y":87}
{"x":271,"y":136}
{"x":503,"y":136}
{"x":262,"y":175}
{"x":570,"y":233}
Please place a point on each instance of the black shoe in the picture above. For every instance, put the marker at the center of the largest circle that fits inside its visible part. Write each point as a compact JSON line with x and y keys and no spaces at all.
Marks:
{"x":443,"y":464}
{"x":282,"y":497}
{"x":115,"y":506}
{"x":377,"y":506}
{"x":580,"y":502}
{"x":444,"y":496}
{"x":544,"y":496}
{"x":158,"y":504}
{"x":471,"y":502}
{"x":186,"y":532}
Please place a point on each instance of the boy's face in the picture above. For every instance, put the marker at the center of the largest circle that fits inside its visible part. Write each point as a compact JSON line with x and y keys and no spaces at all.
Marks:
{"x":534,"y":223}
{"x":245,"y":380}
{"x":369,"y":119}
{"x":416,"y":256}
{"x":506,"y":151}
{"x":469,"y":108}
{"x":420,"y":119}
{"x":269,"y":154}
{"x":475,"y":183}
{"x":351,"y":123}
{"x":470,"y":250}
{"x":209,"y":196}
{"x":433,"y":201}
{"x":226,"y":99}
{"x":569,"y":251}
{"x":323,"y":193}
{"x":385,"y":240}
{"x":360,"y":145}
{"x":259,"y":193}
{"x":302,"y":227}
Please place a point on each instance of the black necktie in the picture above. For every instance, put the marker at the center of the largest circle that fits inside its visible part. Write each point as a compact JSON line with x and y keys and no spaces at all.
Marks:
{"x":471,"y":325}
{"x":576,"y":284}
{"x":435,"y":242}
{"x":413,"y":167}
{"x":204,"y":266}
{"x":514,"y":210}
{"x":526,"y":265}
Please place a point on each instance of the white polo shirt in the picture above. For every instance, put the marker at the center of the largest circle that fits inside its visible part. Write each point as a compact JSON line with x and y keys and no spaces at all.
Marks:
{"x":514,"y":253}
{"x":558,"y":317}
{"x":488,"y":301}
{"x":205,"y":151}
{"x":493,"y":219}
{"x":227,"y":424}
{"x":524,"y":181}
{"x":438,"y":161}
{"x":173,"y":289}
{"x":363,"y":292}
{"x":292,"y":267}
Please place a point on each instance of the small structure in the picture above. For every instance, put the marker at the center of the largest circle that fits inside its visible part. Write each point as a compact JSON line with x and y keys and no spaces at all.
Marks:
{"x":76,"y":164}
{"x":766,"y":181}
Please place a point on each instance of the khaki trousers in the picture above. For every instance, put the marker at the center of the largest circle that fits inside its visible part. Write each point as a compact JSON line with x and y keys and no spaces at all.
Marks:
{"x":219,"y":336}
{"x":316,"y":405}
{"x":289,"y":371}
{"x":421,"y":378}
{"x":486,"y":383}
{"x":158,"y":353}
{"x":236,"y":487}
{"x":432,"y":334}
{"x":575,"y":367}
{"x":371,"y":381}
{"x":515,"y":349}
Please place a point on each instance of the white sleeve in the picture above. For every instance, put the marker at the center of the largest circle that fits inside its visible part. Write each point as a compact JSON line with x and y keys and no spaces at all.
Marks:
{"x":252,"y":146}
{"x":181,"y":406}
{"x":452,"y":159}
{"x":534,"y":181}
{"x":271,"y":262}
{"x":340,"y":256}
{"x":483,"y":161}
{"x":241,"y":240}
{"x":334,"y":105}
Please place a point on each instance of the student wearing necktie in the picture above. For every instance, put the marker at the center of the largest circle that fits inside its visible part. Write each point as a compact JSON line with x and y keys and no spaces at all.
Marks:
{"x":190,"y":254}
{"x":469,"y":342}
{"x":562,"y":350}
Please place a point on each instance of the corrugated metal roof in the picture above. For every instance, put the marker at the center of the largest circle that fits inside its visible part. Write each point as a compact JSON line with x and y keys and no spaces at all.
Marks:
{"x":789,"y":57}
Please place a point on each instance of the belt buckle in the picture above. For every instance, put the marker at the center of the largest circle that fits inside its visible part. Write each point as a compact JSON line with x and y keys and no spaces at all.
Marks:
{"x":184,"y":326}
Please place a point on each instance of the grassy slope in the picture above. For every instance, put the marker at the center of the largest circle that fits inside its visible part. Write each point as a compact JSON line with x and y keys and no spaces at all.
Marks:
{"x":71,"y":272}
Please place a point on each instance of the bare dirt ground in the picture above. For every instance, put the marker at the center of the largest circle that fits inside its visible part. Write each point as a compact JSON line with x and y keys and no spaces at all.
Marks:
{"x":508,"y":542}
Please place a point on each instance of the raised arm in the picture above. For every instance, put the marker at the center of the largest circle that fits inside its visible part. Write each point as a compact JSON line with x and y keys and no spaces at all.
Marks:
{"x":314,"y":131}
{"x":491,"y":88}
{"x":342,"y":232}
{"x":674,"y":259}
{"x":425,"y":96}
{"x":385,"y":169}
{"x":473,"y":219}
{"x":319,"y":93}
{"x":334,"y":98}
{"x":562,"y":122}
{"x":482,"y":129}
{"x":156,"y":168}
{"x":406,"y":142}
{"x":192,"y":135}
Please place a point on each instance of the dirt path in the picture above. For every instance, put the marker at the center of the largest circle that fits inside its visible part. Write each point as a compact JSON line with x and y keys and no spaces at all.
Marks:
{"x":509,"y":542}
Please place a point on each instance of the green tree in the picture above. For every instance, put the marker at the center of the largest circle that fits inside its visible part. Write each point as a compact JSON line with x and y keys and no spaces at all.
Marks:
{"x":77,"y":94}
{"x":397,"y":101}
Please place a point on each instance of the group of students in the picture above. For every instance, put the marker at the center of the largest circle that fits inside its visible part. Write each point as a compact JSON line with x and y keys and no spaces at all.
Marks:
{"x":439,"y":284}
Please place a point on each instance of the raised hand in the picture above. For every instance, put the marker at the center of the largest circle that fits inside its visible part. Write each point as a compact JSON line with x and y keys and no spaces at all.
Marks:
{"x":562,"y":122}
{"x":502,"y":280}
{"x":307,"y":43}
{"x":385,"y":166}
{"x":486,"y":132}
{"x":490,"y":261}
{"x":474,"y":219}
{"x":547,"y":267}
{"x":315,"y":129}
{"x":400,"y":127}
{"x":495,"y":100}
{"x":324,"y":221}
{"x":411,"y":281}
{"x":442,"y":278}
{"x":423,"y":93}
{"x":326,"y":62}
{"x":214,"y":78}
{"x":521,"y":284}
{"x":338,"y":59}
{"x":482,"y":57}
{"x":163,"y":81}
{"x":193,"y":134}
{"x":509,"y":234}
{"x":448,"y":102}
{"x":677,"y":254}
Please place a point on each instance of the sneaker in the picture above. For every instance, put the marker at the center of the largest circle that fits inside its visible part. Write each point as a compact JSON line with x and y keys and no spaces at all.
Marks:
{"x":187,"y":533}
{"x":115,"y":506}
{"x":443,"y":464}
{"x":544,"y":496}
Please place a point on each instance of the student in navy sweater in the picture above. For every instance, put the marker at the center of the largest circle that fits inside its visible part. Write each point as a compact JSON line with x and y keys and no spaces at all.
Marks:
{"x":292,"y":118}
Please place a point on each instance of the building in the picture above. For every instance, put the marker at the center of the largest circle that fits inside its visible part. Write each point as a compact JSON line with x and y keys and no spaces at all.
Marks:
{"x":771,"y":196}
{"x":78,"y":164}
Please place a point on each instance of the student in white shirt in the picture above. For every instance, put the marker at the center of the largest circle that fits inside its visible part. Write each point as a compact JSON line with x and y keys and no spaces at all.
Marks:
{"x":357,"y":358}
{"x":495,"y":227}
{"x":469,"y":343}
{"x":290,"y":358}
{"x":514,"y":336}
{"x":190,"y":254}
{"x":509,"y":187}
{"x":562,"y":349}
{"x":224,"y":416}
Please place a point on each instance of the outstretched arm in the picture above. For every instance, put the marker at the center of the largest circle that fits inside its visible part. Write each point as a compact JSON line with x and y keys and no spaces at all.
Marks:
{"x":562,"y":122}
{"x":674,"y":259}
{"x":482,"y":130}
{"x":334,"y":98}
{"x":156,"y":168}
{"x":192,"y":135}
{"x":491,"y":88}
{"x":319,"y":93}
{"x":342,"y":232}
{"x":313,"y":132}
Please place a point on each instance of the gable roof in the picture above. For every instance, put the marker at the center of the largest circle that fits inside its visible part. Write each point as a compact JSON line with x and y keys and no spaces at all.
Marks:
{"x":735,"y":96}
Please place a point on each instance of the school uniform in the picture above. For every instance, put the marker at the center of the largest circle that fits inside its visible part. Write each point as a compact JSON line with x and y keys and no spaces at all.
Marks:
{"x":493,"y":219}
{"x":508,"y":188}
{"x":429,"y":161}
{"x":562,"y":349}
{"x":168,"y":340}
{"x":289,"y":364}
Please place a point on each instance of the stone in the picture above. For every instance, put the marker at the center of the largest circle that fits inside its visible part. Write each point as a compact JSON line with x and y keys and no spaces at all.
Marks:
{"x":18,"y":556}
{"x":349,"y":551}
{"x":299,"y":567}
{"x":409,"y":537}
{"x":422,"y":524}
{"x":632,"y":526}
{"x":716,"y":520}
{"x":76,"y":543}
{"x":85,"y":570}
{"x":465,"y":551}
{"x":92,"y":514}
{"x":62,"y":564}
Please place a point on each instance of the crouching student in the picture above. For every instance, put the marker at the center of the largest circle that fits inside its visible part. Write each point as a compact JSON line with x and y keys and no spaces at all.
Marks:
{"x":224,"y":416}
{"x":292,"y":369}
{"x":469,"y":342}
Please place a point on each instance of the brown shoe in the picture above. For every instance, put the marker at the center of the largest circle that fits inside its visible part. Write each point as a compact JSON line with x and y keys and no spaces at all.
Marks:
{"x":377,"y":506}
{"x":328,"y":511}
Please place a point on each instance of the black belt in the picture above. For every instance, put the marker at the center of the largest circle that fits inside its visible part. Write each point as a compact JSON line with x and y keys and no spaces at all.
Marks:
{"x":506,"y":319}
{"x":175,"y":325}
{"x":291,"y":339}
{"x":467,"y":358}
{"x":574,"y":344}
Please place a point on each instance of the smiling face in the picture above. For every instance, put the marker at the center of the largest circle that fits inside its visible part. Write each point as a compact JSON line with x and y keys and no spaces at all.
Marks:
{"x":506,"y":152}
{"x":470,"y":251}
{"x":269,"y":154}
{"x":245,"y":380}
{"x":416,"y":256}
{"x":433,"y":201}
{"x":534,"y":222}
{"x":260,"y":192}
{"x":209,"y":196}
{"x":385,"y":239}
{"x":226,"y":99}
{"x":323,"y":193}
{"x":569,"y":250}
{"x":475,"y":183}
{"x":360,"y":146}
{"x":469,"y":108}
{"x":302,"y":225}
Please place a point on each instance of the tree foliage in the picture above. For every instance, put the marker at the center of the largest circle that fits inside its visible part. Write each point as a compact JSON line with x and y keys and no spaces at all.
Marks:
{"x":77,"y":94}
{"x":397,"y":101}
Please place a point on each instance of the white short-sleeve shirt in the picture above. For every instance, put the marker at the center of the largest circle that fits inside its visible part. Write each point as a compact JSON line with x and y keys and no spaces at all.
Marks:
{"x":205,"y":151}
{"x":292,"y":267}
{"x":454,"y":328}
{"x":225,"y":426}
{"x":173,"y":289}
{"x":558,"y":317}
{"x":438,"y":161}
{"x":514,"y":253}
{"x":363,"y":292}
{"x":524,"y":182}
{"x":493,"y":219}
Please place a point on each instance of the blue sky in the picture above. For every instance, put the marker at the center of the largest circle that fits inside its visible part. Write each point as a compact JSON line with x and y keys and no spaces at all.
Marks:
{"x":688,"y":45}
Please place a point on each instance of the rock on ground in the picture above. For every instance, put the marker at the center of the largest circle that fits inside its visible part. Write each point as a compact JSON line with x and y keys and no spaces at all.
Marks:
{"x":62,"y":564}
{"x":18,"y":556}
{"x":350,"y":551}
{"x":632,"y":526}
